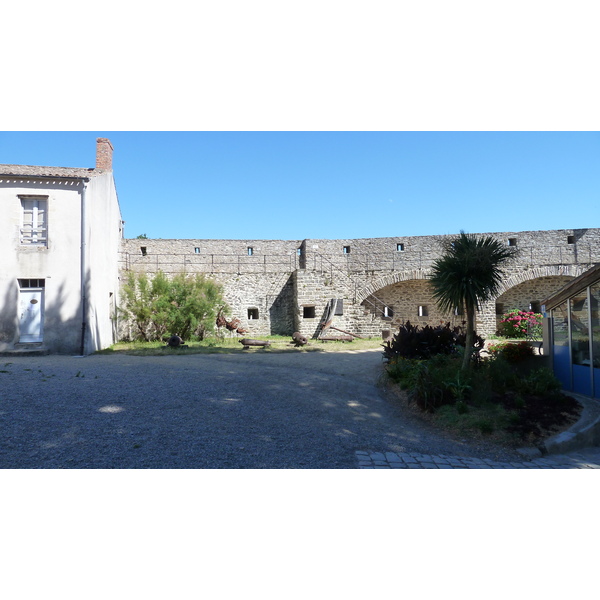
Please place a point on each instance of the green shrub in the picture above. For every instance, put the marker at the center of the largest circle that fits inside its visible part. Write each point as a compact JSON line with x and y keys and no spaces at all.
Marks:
{"x":186,"y":305}
{"x":510,"y":351}
{"x":485,"y":426}
{"x":484,"y":420}
{"x":540,"y":382}
{"x":498,"y":374}
{"x":462,"y":407}
{"x":431,"y":383}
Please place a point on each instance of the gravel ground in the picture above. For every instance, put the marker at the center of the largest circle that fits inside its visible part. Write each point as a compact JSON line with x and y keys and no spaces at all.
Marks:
{"x":249,"y":410}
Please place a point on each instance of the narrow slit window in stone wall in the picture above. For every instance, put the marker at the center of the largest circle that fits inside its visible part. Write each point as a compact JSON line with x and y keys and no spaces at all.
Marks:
{"x":144,"y":250}
{"x":570,"y":239}
{"x":512,"y":241}
{"x":250,"y":251}
{"x":252,"y":314}
{"x":535,"y":306}
{"x":196,"y":250}
{"x":346,"y":249}
{"x":400,"y":247}
{"x":388,"y":312}
{"x":423,"y":312}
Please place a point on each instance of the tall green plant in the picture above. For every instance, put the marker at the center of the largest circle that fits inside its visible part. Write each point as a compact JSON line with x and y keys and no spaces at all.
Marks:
{"x":468,"y":274}
{"x":186,"y":305}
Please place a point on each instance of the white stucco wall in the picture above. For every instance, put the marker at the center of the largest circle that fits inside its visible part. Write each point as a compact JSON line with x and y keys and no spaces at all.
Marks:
{"x":59,"y":263}
{"x":103,"y":237}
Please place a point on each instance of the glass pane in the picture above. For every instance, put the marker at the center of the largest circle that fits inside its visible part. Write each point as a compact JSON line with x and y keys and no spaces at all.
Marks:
{"x":560,"y":349}
{"x":27,"y":210}
{"x":595,"y":324}
{"x":41,"y":214}
{"x":561,"y":325}
{"x":580,"y":330}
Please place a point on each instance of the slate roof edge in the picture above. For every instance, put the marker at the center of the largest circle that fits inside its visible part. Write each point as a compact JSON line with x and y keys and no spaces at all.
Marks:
{"x":34,"y":171}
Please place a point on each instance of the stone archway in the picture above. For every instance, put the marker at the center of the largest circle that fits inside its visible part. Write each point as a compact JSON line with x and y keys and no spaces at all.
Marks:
{"x":371,"y":288}
{"x":570,"y":271}
{"x":374,"y":294}
{"x":401,"y":297}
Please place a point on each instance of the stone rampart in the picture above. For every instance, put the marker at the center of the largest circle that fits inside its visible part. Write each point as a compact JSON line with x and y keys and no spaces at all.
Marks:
{"x":281,"y":286}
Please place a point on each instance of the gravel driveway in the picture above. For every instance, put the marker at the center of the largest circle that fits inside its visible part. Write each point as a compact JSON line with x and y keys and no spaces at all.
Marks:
{"x":245,"y":410}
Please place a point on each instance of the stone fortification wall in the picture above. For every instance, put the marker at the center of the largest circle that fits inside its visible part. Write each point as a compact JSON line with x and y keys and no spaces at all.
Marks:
{"x":210,"y":256}
{"x":381,"y":281}
{"x":557,"y":247}
{"x":314,"y":291}
{"x":256,"y":275}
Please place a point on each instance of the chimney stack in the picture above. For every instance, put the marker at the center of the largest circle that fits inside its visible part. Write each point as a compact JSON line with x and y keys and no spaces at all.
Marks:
{"x":104,"y":152}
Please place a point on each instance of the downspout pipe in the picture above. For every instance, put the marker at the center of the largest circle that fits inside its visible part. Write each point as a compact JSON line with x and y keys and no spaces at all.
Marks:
{"x":83,"y":262}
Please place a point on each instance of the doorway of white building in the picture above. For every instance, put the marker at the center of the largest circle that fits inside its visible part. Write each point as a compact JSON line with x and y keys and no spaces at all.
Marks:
{"x":31,"y":310}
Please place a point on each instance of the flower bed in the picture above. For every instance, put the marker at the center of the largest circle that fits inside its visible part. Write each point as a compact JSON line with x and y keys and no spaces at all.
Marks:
{"x":519,"y":324}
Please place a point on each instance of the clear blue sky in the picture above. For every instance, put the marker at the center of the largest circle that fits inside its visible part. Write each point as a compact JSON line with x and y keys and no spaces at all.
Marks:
{"x":296,"y":185}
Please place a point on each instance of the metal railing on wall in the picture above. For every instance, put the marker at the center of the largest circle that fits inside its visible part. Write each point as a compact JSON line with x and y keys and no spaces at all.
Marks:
{"x":345,"y":264}
{"x":210,"y":263}
{"x":422,"y":259}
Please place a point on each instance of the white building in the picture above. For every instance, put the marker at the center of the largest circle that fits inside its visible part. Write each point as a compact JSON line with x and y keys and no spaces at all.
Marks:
{"x":60,"y":230}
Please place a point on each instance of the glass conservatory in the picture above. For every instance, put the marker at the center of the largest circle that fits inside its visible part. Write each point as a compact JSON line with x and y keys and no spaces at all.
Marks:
{"x":574,"y":333}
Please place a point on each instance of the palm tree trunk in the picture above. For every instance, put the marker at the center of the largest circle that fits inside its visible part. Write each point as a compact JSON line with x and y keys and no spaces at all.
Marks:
{"x":469,"y":338}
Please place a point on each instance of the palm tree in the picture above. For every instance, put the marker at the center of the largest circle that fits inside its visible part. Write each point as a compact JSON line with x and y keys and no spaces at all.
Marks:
{"x":469,"y":273}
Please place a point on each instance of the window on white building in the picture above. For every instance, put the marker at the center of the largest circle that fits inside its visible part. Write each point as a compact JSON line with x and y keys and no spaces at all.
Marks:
{"x":32,"y":283}
{"x":34,"y":221}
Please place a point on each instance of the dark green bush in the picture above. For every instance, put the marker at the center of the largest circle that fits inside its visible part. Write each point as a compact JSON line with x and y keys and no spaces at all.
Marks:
{"x":499,"y":374}
{"x":422,"y":343}
{"x":432,"y":383}
{"x":511,"y":352}
{"x":540,"y":382}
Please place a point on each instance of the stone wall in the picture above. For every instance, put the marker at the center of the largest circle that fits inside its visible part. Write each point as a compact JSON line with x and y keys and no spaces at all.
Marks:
{"x":256,"y":275}
{"x":291,"y":282}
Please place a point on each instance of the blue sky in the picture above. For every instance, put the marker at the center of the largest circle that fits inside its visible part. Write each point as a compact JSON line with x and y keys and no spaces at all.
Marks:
{"x":296,"y":185}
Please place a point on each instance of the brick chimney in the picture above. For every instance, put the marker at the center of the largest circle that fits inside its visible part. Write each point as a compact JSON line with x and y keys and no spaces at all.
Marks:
{"x":104,"y":152}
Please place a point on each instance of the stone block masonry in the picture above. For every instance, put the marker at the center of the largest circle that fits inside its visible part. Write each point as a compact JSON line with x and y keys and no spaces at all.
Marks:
{"x":282,"y":286}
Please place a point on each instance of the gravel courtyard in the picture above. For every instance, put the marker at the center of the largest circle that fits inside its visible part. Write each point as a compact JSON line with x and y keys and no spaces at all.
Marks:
{"x":245,"y":410}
